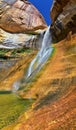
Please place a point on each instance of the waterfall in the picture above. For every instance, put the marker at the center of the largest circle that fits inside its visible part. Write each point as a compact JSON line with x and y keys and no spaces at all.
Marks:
{"x":43,"y":54}
{"x":15,"y":86}
{"x":40,"y":59}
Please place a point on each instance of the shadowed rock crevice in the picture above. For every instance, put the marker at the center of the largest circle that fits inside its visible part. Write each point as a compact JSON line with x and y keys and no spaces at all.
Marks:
{"x":63,"y":14}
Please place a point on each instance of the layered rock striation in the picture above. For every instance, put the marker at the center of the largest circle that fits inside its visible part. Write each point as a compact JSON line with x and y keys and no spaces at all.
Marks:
{"x":19,"y":16}
{"x":18,"y":19}
{"x":20,"y":40}
{"x":55,"y":91}
{"x":63,"y":14}
{"x":55,"y":87}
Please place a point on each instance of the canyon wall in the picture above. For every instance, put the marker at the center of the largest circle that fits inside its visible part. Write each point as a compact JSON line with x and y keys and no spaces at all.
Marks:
{"x":55,"y":86}
{"x":63,"y":14}
{"x":19,"y":16}
{"x":19,"y":24}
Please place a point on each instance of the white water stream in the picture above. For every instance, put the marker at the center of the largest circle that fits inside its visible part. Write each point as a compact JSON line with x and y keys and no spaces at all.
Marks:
{"x":40,"y":59}
{"x":43,"y":54}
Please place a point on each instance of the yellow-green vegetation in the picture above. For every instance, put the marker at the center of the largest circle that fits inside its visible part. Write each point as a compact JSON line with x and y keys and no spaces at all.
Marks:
{"x":21,"y":50}
{"x":5,"y":53}
{"x":11,"y":107}
{"x":54,"y":89}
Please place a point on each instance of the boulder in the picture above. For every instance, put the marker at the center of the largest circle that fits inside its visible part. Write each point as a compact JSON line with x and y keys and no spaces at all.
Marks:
{"x":20,"y":16}
{"x":63,"y":14}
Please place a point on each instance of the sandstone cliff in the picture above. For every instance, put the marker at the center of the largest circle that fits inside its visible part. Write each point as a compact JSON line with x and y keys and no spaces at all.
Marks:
{"x":55,"y":91}
{"x":63,"y":14}
{"x":54,"y":88}
{"x":19,"y":16}
{"x":17,"y":19}
{"x":20,"y":40}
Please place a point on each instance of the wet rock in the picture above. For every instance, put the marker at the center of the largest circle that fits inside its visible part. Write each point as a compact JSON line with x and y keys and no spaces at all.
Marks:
{"x":55,"y":88}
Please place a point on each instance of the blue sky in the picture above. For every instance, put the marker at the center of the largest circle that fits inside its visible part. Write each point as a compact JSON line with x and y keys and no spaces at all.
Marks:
{"x":44,"y":7}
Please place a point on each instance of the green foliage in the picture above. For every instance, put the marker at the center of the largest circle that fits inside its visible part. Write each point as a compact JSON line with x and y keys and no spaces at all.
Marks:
{"x":6,"y":53}
{"x":21,"y":50}
{"x":11,"y":107}
{"x":3,"y":52}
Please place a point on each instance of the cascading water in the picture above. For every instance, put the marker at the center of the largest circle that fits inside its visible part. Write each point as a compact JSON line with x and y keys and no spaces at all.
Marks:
{"x":39,"y":60}
{"x":42,"y":55}
{"x":16,"y":86}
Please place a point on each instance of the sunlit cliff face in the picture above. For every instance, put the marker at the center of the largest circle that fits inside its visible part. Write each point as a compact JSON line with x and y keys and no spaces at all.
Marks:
{"x":54,"y":88}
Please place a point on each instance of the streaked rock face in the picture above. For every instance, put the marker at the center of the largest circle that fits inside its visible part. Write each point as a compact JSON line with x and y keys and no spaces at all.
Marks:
{"x":19,"y":40}
{"x":63,"y":14}
{"x":55,"y":91}
{"x":57,"y":8}
{"x":18,"y":16}
{"x":17,"y":19}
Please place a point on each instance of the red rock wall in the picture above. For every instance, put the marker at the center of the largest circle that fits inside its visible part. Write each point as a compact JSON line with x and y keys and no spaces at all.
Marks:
{"x":19,"y":16}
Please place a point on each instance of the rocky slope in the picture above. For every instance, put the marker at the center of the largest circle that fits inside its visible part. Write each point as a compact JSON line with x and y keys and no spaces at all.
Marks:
{"x":12,"y":69}
{"x":55,"y":91}
{"x":63,"y":14}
